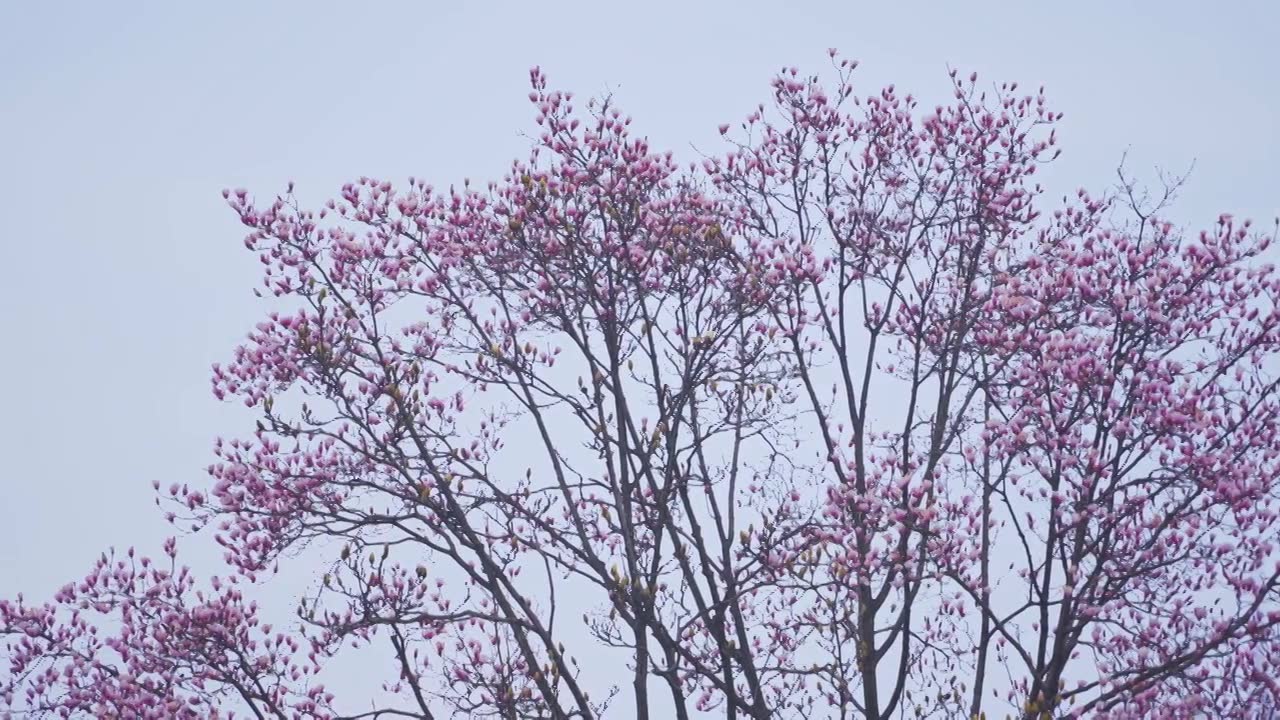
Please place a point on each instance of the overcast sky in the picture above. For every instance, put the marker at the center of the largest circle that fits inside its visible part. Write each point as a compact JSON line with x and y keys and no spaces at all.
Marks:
{"x":125,"y":276}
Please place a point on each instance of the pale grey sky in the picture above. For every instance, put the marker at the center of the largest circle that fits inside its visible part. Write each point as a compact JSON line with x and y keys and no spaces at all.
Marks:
{"x":125,"y":277}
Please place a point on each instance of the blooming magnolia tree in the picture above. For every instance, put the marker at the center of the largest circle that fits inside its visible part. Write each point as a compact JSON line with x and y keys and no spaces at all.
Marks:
{"x":845,"y":422}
